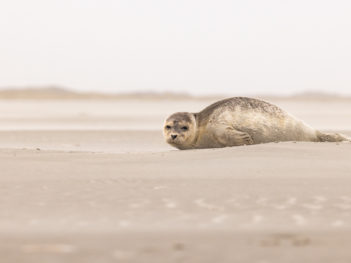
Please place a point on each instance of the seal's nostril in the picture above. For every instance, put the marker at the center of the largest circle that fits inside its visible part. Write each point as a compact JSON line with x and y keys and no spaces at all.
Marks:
{"x":173,"y":136}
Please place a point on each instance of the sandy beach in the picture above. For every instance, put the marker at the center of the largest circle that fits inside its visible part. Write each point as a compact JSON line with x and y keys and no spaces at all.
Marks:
{"x":93,"y":181}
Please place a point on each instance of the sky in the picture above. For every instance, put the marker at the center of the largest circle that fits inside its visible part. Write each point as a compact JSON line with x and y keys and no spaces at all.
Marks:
{"x":198,"y":47}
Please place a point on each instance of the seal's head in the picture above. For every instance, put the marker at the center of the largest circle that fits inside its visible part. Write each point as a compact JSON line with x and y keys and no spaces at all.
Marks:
{"x":180,"y":130}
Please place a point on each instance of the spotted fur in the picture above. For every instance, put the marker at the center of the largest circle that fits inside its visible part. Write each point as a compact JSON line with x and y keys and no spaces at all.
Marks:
{"x":239,"y":121}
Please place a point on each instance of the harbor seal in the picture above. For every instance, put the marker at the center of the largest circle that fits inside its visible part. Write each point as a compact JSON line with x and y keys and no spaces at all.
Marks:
{"x":239,"y":121}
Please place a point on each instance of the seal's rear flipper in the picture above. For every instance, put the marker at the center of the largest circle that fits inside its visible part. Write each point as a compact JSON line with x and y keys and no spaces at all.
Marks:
{"x":332,"y":137}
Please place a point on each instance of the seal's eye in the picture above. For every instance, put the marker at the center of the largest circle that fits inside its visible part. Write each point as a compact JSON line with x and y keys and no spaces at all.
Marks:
{"x":168,"y":127}
{"x":184,"y":128}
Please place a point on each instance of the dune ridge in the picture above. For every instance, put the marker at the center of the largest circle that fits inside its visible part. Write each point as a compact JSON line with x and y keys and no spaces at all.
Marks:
{"x":61,"y":93}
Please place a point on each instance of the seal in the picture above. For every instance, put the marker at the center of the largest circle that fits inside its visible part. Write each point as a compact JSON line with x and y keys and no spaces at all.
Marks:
{"x":239,"y":121}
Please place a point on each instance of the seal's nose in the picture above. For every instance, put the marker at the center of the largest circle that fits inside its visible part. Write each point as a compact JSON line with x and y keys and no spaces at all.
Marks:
{"x":173,"y":136}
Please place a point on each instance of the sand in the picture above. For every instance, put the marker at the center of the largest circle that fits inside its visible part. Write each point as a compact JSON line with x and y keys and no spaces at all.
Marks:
{"x":93,"y":181}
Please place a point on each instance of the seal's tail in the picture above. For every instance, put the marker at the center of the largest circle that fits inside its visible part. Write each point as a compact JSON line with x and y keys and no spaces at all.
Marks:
{"x":332,"y":137}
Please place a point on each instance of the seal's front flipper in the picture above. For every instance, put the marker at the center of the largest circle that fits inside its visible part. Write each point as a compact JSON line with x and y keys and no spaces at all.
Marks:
{"x":232,"y":137}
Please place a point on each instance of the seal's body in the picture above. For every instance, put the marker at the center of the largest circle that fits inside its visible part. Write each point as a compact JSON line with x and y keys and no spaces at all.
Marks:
{"x":239,"y":121}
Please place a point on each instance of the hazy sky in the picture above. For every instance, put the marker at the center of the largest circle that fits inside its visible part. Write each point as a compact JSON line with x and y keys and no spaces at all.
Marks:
{"x":222,"y":46}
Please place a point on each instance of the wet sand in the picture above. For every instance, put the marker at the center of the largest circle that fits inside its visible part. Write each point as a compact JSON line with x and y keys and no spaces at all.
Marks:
{"x":79,"y":194}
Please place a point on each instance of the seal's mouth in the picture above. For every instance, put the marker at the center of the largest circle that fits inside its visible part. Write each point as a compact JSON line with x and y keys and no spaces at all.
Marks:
{"x":173,"y":140}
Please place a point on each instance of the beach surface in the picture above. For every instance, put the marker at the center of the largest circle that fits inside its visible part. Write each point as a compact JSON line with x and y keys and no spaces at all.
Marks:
{"x":93,"y":181}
